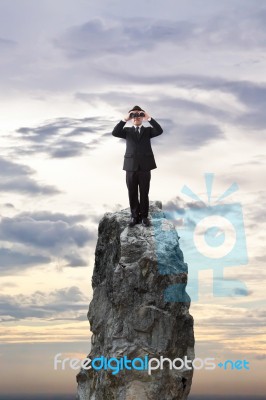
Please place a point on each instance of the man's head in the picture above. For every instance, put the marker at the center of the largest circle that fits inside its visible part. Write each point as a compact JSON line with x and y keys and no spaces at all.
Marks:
{"x":137,"y":115}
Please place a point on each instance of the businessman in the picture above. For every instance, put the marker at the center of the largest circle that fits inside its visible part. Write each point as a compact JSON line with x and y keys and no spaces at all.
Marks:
{"x":138,"y":161}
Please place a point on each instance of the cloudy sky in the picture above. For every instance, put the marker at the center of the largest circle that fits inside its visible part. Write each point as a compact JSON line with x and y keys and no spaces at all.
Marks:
{"x":69,"y":71}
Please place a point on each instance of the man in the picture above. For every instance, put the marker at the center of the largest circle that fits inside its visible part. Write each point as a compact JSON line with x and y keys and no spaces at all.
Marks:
{"x":138,"y":161}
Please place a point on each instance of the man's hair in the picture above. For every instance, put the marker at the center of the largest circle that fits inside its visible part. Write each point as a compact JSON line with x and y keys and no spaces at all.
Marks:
{"x":137,"y":108}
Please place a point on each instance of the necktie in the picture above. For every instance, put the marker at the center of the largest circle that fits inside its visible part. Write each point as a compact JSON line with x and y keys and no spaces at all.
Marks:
{"x":138,"y":131}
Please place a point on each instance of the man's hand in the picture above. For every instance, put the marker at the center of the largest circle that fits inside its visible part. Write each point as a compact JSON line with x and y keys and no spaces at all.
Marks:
{"x":147,"y":116}
{"x":127,"y":117}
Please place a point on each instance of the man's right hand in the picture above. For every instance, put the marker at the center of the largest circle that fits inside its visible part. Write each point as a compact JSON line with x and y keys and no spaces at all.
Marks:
{"x":127,"y":117}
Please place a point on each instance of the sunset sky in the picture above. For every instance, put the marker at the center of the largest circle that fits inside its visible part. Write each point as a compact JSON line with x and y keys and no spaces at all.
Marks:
{"x":69,"y":71}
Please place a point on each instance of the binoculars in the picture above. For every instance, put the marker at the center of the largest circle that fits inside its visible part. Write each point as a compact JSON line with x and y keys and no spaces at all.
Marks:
{"x":136,"y":114}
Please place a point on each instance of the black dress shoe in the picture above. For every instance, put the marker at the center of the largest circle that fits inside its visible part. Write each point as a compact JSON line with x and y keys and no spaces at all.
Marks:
{"x":133,"y":222}
{"x":146,"y":222}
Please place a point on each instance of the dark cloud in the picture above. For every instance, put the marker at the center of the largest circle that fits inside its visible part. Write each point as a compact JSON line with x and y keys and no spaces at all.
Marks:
{"x":174,"y":204}
{"x":192,"y":107}
{"x":69,"y":303}
{"x":250,"y":324}
{"x":260,"y":357}
{"x":252,"y":95}
{"x":189,"y":136}
{"x":9,"y":205}
{"x":195,"y":136}
{"x":261,"y":259}
{"x":117,"y":98}
{"x":41,"y":237}
{"x":67,"y":148}
{"x":17,"y":178}
{"x":253,"y":120}
{"x":7,"y":44}
{"x":185,"y":136}
{"x":59,"y":138}
{"x":43,"y":233}
{"x":102,"y":37}
{"x":166,"y":104}
{"x":10,"y":169}
{"x":27,"y":186}
{"x":255,"y":211}
{"x":13,"y":261}
{"x":182,"y":132}
{"x":237,"y":291}
{"x":8,"y":285}
{"x":74,"y":260}
{"x":54,"y":216}
{"x":73,"y":126}
{"x":99,"y":37}
{"x":247,"y":92}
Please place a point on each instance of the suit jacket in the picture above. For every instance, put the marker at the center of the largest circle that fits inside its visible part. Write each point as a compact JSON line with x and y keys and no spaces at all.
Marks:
{"x":138,"y":148}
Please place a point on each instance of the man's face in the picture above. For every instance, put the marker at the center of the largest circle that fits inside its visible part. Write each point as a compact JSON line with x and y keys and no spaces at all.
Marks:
{"x":137,"y":120}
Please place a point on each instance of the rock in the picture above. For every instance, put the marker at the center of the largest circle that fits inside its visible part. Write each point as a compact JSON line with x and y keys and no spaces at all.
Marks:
{"x":139,"y":309}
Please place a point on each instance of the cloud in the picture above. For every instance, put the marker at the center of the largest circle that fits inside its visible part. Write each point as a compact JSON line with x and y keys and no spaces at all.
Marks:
{"x":260,"y":357}
{"x":174,"y":204}
{"x":221,"y":316}
{"x":43,"y":233}
{"x":127,"y":36}
{"x":7,"y":44}
{"x":8,"y":285}
{"x":195,"y":136}
{"x":98,"y":36}
{"x":17,"y":178}
{"x":167,"y":104}
{"x":74,"y":260}
{"x":12,"y":260}
{"x":9,"y":205}
{"x":66,"y":303}
{"x":261,"y":259}
{"x":53,"y":216}
{"x":27,"y":186}
{"x":242,"y":103}
{"x":9,"y":168}
{"x":188,"y":135}
{"x":59,"y":137}
{"x":168,"y":39}
{"x":236,"y":291}
{"x":250,"y":96}
{"x":67,"y":148}
{"x":43,"y":237}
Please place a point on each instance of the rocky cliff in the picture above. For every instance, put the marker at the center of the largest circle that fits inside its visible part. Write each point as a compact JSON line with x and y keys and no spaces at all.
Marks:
{"x":139,"y":310}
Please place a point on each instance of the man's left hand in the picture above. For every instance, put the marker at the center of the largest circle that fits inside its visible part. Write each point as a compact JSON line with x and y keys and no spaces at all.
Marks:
{"x":147,"y":116}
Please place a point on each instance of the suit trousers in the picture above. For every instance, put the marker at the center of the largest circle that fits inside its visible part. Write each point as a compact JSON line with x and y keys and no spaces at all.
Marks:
{"x":138,"y":181}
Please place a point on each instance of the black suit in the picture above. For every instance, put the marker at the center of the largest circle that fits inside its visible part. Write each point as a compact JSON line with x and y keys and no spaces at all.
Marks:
{"x":138,"y":162}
